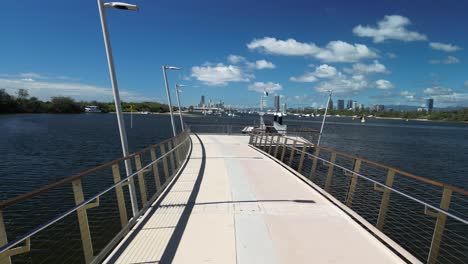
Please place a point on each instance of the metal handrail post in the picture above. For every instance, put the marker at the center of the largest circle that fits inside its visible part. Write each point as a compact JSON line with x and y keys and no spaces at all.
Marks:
{"x":4,"y":258}
{"x":439,"y":227}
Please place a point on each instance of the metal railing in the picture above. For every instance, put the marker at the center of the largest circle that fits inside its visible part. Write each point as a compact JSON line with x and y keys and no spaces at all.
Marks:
{"x":86,"y":220}
{"x":426,"y":217}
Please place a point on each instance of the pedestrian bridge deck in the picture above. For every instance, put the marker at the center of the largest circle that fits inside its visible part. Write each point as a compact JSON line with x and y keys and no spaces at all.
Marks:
{"x":232,"y":204}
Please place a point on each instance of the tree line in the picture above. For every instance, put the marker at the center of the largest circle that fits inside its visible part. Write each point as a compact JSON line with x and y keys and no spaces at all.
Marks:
{"x":23,"y":103}
{"x":459,"y":115}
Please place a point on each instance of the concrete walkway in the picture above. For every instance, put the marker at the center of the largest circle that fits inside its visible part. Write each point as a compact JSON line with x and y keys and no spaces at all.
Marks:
{"x":231,"y":204}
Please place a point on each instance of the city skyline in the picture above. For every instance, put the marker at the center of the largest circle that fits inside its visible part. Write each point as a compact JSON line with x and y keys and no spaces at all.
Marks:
{"x":376,"y":53}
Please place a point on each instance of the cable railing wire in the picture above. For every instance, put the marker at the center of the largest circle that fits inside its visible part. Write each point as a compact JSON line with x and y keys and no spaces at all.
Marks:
{"x":425,"y":217}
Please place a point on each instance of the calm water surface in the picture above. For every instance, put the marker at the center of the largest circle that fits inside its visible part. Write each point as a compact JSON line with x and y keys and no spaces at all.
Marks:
{"x":39,"y":149}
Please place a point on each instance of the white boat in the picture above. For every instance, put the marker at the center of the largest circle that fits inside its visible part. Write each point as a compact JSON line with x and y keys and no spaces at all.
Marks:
{"x":92,"y":109}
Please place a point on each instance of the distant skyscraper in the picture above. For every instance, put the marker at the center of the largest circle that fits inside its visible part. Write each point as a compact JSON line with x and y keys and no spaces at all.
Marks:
{"x":277,"y":103}
{"x":429,"y":105}
{"x":379,"y":108}
{"x":349,"y":104}
{"x":360,"y":107}
{"x":354,"y":105}
{"x":340,"y":104}
{"x":202,"y":101}
{"x":330,"y":104}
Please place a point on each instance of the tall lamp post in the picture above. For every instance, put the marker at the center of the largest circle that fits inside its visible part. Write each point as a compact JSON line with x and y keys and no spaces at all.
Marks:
{"x":115,"y":91}
{"x":164,"y":68}
{"x":330,"y":92}
{"x":177,"y":86}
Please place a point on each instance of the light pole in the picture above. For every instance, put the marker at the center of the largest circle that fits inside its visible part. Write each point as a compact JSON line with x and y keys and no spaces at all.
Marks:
{"x":164,"y":67}
{"x":330,"y":92}
{"x":115,"y":91}
{"x":177,"y":86}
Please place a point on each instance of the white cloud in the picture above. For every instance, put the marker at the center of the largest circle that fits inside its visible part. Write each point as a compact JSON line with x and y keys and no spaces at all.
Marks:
{"x":234,"y":59}
{"x":322,"y":71}
{"x":444,"y":47}
{"x":375,"y":67}
{"x":334,"y":51}
{"x":391,"y":55}
{"x":261,"y":86}
{"x":384,"y":85}
{"x":438,"y":90}
{"x":288,"y":47}
{"x":444,"y":96}
{"x":344,"y":84}
{"x":44,"y":90}
{"x":261,"y":64}
{"x":390,"y":27}
{"x":257,"y":65}
{"x":448,"y":60}
{"x":410,"y":96}
{"x":306,"y":78}
{"x":220,"y":74}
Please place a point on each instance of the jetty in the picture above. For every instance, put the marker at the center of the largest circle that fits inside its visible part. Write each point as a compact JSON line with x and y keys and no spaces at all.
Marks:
{"x":233,"y":198}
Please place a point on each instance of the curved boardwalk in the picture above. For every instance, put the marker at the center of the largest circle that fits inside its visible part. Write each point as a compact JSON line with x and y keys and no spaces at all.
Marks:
{"x":232,"y":204}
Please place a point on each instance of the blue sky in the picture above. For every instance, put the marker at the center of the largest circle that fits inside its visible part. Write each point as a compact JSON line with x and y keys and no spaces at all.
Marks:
{"x":385,"y":52}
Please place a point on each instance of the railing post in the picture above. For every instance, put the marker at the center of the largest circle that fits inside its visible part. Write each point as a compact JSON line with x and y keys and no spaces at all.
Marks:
{"x":4,"y":258}
{"x":301,"y":160}
{"x":250,"y":138}
{"x":171,"y":155}
{"x":330,"y":172}
{"x":141,"y":180}
{"x":266,"y":139}
{"x":165,"y":165}
{"x":440,"y":226}
{"x":120,"y":196}
{"x":157,"y":180}
{"x":291,"y":156}
{"x":277,"y":145}
{"x":354,"y":179}
{"x":83,"y":222}
{"x":256,"y":140}
{"x":271,"y":143}
{"x":385,"y":199}
{"x":285,"y":144}
{"x":314,"y":163}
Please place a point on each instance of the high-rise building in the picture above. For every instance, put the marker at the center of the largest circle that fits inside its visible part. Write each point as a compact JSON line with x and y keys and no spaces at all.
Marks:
{"x":202,"y":101}
{"x":354,"y":105}
{"x":360,"y":107}
{"x":340,"y":104}
{"x":330,"y":104}
{"x":429,"y":105}
{"x":379,"y":108}
{"x":277,"y":103}
{"x":349,"y":104}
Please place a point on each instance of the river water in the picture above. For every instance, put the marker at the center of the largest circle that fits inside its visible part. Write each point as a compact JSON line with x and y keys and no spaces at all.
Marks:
{"x":40,"y":149}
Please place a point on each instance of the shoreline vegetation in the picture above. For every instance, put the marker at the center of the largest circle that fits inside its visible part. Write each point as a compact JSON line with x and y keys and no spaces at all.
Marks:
{"x":459,"y":115}
{"x":22,"y":103}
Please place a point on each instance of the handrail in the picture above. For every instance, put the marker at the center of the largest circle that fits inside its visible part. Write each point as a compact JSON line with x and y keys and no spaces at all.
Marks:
{"x":465,"y":221}
{"x":439,"y":228}
{"x":69,"y":179}
{"x":94,"y":197}
{"x":403,"y":173}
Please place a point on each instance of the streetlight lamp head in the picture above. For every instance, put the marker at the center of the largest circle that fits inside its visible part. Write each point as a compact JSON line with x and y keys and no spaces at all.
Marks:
{"x":179,"y":85}
{"x":120,"y":5}
{"x":171,"y":68}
